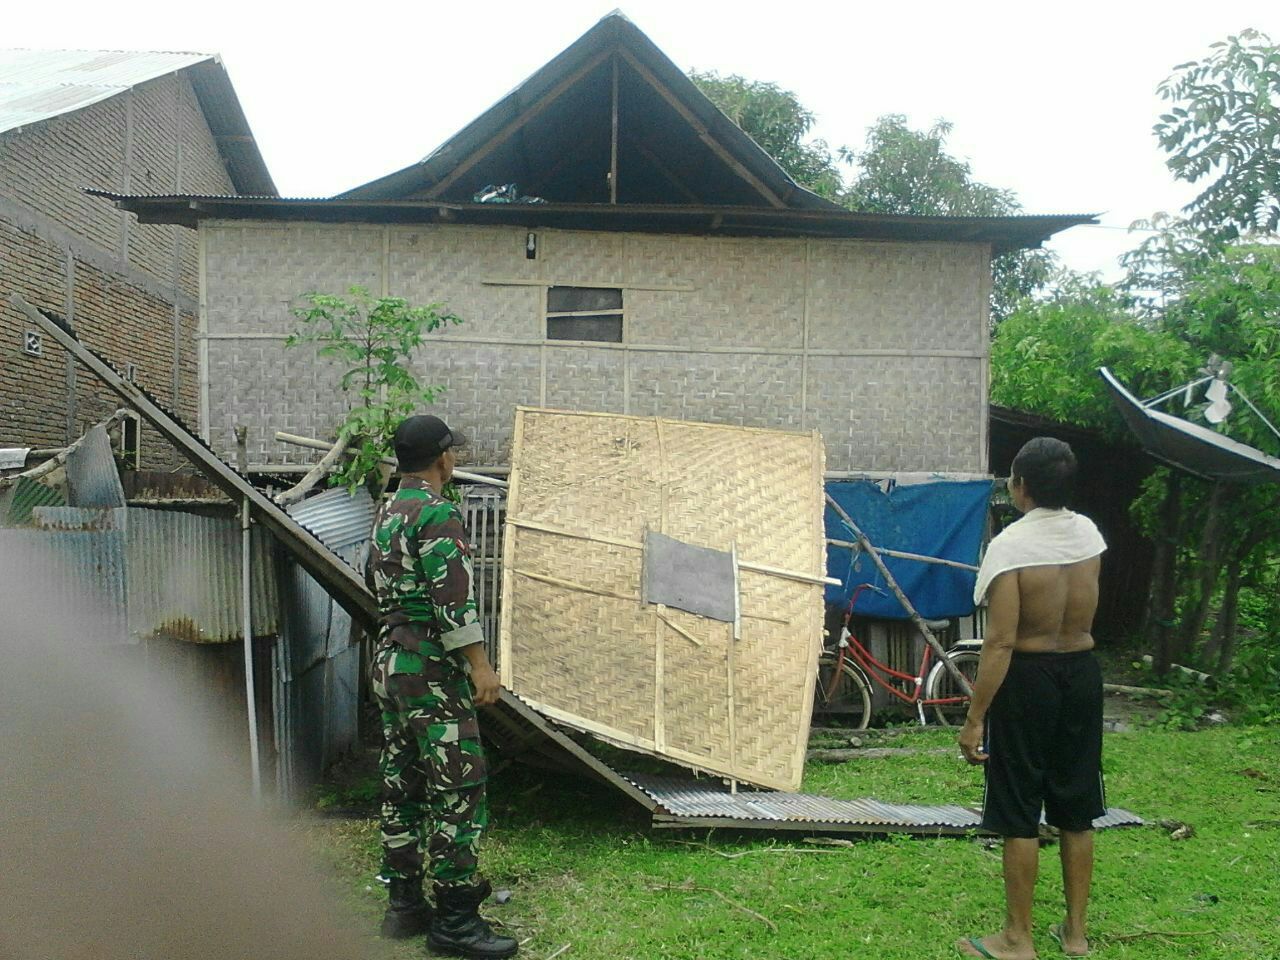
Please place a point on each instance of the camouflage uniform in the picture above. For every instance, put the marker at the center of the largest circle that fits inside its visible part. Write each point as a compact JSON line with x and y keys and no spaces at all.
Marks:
{"x":433,"y":768}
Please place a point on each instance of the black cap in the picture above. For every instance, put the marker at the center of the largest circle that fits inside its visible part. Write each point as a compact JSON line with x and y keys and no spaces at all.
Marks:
{"x":420,"y":440}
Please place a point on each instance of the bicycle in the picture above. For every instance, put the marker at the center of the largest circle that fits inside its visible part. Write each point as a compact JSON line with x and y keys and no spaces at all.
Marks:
{"x":845,"y":674}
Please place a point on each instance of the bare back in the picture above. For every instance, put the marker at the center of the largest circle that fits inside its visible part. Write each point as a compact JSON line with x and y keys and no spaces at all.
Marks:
{"x":1056,"y":604}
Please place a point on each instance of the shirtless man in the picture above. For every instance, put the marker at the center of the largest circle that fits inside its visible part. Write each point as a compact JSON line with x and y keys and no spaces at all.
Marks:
{"x":1039,"y":694}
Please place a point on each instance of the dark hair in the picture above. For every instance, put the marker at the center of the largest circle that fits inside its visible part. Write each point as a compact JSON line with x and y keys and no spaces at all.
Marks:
{"x":1047,"y":469}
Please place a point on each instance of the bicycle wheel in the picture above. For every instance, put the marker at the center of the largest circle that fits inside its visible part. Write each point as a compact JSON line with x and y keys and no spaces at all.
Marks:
{"x":846,"y":696}
{"x":941,"y":686}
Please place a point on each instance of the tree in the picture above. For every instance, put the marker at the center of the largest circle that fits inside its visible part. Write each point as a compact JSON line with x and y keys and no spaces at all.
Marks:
{"x":1045,"y":357}
{"x":907,"y":171}
{"x":899,"y":170}
{"x":776,"y":120}
{"x":375,"y":338}
{"x":1225,"y":124}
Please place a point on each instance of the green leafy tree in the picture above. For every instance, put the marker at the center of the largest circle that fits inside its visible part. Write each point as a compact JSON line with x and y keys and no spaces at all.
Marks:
{"x":1224,"y":125}
{"x":1045,"y":356}
{"x":776,"y":120}
{"x":906,"y":171}
{"x":374,"y":339}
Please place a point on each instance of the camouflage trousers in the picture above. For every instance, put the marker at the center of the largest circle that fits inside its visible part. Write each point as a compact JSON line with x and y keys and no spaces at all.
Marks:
{"x":433,"y":767}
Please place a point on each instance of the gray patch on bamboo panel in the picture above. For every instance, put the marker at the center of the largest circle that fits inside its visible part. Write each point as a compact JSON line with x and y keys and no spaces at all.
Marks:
{"x":695,"y":579}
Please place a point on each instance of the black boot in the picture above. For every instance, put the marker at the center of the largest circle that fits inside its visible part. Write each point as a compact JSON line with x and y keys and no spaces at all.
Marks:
{"x":459,"y":930}
{"x":408,"y":914}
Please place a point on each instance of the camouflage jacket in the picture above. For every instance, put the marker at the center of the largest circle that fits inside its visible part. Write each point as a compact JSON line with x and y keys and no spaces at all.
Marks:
{"x":420,"y":570}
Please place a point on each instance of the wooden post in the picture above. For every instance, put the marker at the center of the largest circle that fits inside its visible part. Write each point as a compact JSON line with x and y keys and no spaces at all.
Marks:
{"x":961,"y":680}
{"x":613,"y":142}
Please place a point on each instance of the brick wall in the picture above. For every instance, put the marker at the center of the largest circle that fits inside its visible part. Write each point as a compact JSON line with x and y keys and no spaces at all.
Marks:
{"x":130,"y":289}
{"x":880,"y":346}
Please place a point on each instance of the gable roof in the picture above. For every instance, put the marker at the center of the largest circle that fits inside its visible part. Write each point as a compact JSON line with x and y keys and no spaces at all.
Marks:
{"x":554,"y":136}
{"x":37,"y":85}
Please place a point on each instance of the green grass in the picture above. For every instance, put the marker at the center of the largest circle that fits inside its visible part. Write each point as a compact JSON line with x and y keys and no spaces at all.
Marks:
{"x":584,"y":868}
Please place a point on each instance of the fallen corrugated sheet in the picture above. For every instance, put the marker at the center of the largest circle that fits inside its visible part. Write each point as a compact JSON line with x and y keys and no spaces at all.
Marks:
{"x":692,"y":803}
{"x":92,"y":477}
{"x":79,"y":558}
{"x":341,"y":520}
{"x":184,"y":577}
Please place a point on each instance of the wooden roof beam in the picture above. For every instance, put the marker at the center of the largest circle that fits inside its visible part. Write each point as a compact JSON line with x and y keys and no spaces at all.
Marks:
{"x":505,"y":134}
{"x":667,"y":173}
{"x":704,"y":134}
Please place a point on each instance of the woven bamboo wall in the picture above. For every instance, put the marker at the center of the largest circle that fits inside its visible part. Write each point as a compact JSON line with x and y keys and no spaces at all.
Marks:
{"x":578,"y":643}
{"x":881,"y":347}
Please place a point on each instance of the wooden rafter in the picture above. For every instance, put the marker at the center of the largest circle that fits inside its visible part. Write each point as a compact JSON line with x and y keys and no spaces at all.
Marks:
{"x":508,"y":130}
{"x":704,"y":134}
{"x":668,"y":174}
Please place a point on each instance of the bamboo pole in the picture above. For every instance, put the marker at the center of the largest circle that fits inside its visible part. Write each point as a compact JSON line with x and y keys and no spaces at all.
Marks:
{"x":313,"y":444}
{"x":918,"y":620}
{"x":902,"y":555}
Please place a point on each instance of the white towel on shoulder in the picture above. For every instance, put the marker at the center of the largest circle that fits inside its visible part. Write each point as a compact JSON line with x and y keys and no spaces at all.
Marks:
{"x":1040,"y":538}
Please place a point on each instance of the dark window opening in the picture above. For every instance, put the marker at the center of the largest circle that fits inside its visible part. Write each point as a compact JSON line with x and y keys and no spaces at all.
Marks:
{"x":584,"y":313}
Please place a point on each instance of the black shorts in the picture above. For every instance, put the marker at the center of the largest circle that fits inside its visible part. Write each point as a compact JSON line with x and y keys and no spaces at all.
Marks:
{"x":1044,"y":745}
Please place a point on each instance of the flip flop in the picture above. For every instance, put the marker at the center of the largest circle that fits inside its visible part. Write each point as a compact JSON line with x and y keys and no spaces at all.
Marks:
{"x":981,"y":948}
{"x":1056,"y":932}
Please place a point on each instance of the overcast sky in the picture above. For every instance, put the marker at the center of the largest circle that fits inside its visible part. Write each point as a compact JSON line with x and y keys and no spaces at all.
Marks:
{"x":1054,"y":101}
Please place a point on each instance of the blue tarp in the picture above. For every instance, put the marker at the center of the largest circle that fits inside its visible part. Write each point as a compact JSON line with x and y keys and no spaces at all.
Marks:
{"x":944,"y":519}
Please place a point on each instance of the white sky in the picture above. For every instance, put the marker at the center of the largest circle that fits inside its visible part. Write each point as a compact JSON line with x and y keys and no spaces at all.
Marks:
{"x":1054,"y":101}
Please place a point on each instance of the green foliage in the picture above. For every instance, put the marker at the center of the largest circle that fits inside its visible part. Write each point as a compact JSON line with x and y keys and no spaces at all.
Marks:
{"x":906,"y":171}
{"x":1225,"y":124}
{"x":373,"y":339}
{"x":779,"y":123}
{"x":1231,"y":307}
{"x":1045,"y":356}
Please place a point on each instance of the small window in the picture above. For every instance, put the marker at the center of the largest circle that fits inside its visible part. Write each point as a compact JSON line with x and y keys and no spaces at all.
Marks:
{"x":584,"y":313}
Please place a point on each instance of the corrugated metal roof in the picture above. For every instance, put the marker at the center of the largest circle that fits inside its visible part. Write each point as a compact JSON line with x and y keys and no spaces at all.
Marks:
{"x":1003,"y":233}
{"x":339,"y":519}
{"x":184,"y":577}
{"x":704,"y":799}
{"x":38,"y":84}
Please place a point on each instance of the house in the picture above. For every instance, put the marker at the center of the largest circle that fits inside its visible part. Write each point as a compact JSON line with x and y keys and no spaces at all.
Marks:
{"x":672,"y":269}
{"x":152,"y":122}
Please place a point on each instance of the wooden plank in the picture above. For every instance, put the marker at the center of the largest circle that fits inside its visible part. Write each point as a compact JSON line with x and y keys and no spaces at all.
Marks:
{"x":704,"y":134}
{"x":505,"y":672}
{"x":591,"y":284}
{"x":505,"y":133}
{"x":340,"y":580}
{"x":540,"y":723}
{"x":613,"y":139}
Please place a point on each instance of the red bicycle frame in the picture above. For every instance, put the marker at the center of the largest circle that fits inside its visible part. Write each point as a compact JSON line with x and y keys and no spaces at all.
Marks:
{"x":874,"y":669}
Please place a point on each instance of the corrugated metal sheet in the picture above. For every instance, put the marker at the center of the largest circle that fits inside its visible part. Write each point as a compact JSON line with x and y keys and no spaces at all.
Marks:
{"x":17,"y":501}
{"x":690,"y":799}
{"x":38,"y":84}
{"x":339,"y":519}
{"x":13,"y":458}
{"x":184,"y":577}
{"x":92,"y":477}
{"x":80,"y":561}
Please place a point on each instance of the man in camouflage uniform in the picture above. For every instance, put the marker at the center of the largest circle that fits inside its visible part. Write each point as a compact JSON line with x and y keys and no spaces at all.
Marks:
{"x":430,"y":672}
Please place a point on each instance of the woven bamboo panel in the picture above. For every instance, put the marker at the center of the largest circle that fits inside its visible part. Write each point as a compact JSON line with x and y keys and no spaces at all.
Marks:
{"x":578,"y":643}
